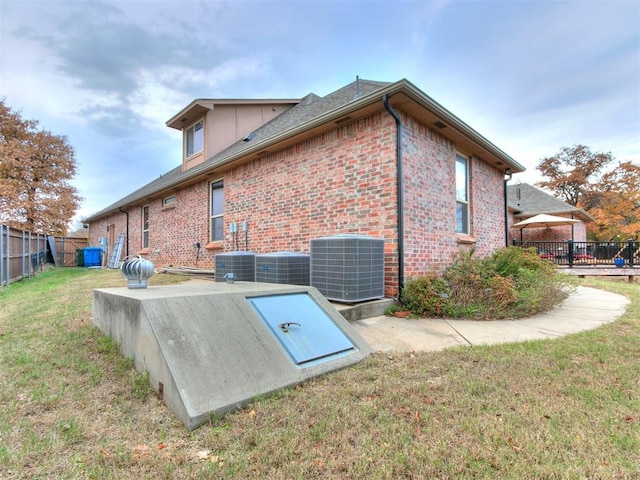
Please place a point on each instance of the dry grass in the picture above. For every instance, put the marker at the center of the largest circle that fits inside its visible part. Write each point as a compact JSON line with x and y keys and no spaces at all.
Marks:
{"x":72,"y":407}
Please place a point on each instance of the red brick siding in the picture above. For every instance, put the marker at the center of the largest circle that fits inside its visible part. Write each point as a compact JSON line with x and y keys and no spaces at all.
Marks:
{"x":429,"y":198}
{"x":487,"y":207}
{"x":430,"y":201}
{"x":343,"y":181}
{"x":172,"y":231}
{"x":340,"y":182}
{"x":99,"y":229}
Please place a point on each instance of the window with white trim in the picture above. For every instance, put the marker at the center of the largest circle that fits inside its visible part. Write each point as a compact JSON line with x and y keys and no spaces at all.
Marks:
{"x":462,"y":194}
{"x":194,"y":138}
{"x":217,"y":211}
{"x":171,"y":200}
{"x":145,"y":226}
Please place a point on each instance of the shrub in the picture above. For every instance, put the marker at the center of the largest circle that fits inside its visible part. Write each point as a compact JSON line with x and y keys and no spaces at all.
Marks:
{"x":513,"y":282}
{"x":426,"y":295}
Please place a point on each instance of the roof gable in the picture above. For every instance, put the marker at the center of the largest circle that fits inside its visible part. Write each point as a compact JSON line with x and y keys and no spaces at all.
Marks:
{"x":527,"y":200}
{"x":197,"y":108}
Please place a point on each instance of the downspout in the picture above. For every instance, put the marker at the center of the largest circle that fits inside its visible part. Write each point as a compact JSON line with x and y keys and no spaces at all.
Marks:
{"x":506,"y":208}
{"x":400,"y":189}
{"x":127,"y":239}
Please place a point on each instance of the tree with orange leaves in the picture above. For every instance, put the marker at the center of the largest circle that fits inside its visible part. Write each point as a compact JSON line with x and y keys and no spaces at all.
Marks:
{"x":617,"y":206}
{"x":35,"y":169}
{"x":596,"y":183}
{"x":572,"y":172}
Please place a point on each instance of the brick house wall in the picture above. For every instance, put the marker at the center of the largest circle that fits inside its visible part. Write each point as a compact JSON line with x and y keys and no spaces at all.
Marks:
{"x":560,"y":233}
{"x":429,"y":198}
{"x":487,"y":207}
{"x":430,"y":201}
{"x":340,"y":182}
{"x":109,"y":228}
{"x":173,"y":230}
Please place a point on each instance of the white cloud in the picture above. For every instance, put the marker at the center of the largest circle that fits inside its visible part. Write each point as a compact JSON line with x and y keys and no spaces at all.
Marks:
{"x":531,"y":76}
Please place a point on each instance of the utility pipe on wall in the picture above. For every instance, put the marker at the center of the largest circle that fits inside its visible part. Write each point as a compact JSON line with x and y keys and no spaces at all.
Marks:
{"x":127,"y":239}
{"x":400,"y":189}
{"x":506,"y":208}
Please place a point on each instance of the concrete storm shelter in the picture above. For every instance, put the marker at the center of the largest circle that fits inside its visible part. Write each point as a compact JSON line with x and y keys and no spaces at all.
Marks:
{"x":210,"y":348}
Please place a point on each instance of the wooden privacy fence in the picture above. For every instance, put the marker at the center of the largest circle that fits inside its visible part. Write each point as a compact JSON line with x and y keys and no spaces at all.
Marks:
{"x":22,"y":254}
{"x":66,"y":250}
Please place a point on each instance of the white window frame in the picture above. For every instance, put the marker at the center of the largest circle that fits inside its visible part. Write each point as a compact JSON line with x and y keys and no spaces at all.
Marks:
{"x":463,"y":211}
{"x":216,"y":211}
{"x":169,"y":201}
{"x":194,"y":139}
{"x":145,"y":225}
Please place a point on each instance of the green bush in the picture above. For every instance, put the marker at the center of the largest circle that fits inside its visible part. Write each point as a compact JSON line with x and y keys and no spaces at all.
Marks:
{"x":511,"y":283}
{"x":426,"y":295}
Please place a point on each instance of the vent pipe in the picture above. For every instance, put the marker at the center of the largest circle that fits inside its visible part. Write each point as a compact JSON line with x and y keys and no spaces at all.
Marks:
{"x":400,"y":189}
{"x":358,"y":92}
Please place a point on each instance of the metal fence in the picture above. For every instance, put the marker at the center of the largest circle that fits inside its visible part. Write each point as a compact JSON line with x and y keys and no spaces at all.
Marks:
{"x":22,"y":254}
{"x":575,"y":254}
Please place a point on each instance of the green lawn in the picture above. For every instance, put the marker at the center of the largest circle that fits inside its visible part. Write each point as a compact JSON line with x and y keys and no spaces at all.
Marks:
{"x":72,"y":407}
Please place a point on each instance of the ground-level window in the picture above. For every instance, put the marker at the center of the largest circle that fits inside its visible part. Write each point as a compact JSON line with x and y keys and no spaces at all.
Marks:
{"x":195,"y":138}
{"x":145,"y":226}
{"x":217,"y":211}
{"x":462,"y":194}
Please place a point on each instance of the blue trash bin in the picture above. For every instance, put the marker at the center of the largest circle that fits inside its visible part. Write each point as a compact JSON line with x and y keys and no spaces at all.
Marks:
{"x":92,"y":256}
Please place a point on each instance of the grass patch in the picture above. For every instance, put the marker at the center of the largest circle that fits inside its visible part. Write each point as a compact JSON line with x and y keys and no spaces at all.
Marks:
{"x":72,"y":407}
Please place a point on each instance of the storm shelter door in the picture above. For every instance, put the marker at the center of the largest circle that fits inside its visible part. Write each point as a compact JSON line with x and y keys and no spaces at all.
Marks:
{"x":303,"y":328}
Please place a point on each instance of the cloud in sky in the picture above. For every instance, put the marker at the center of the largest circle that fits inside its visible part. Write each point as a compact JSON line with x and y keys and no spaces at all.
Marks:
{"x":532,"y":76}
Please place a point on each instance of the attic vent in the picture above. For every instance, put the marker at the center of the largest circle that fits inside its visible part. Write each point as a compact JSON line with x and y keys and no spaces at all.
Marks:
{"x":439,"y":125}
{"x":343,"y":120}
{"x":263,"y":152}
{"x":251,"y":136}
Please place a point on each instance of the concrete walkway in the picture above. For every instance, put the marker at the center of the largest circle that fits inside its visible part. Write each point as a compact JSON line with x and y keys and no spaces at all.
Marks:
{"x":586,"y":309}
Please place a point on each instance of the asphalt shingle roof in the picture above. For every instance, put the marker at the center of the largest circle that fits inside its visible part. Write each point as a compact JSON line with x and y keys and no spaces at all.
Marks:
{"x":528,"y":200}
{"x":309,"y":108}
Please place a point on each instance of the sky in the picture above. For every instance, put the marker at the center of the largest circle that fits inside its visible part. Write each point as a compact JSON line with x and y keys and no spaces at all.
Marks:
{"x":531,"y":76}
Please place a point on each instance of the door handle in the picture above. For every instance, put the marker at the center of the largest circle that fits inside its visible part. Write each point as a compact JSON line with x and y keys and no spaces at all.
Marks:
{"x":285,"y":326}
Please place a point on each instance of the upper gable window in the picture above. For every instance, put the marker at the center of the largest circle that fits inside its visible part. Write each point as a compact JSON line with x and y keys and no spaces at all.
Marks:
{"x":195,"y":138}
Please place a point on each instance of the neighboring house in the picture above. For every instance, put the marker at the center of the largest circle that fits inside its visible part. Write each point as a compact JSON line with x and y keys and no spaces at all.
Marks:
{"x":293,"y":170}
{"x":525,"y":201}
